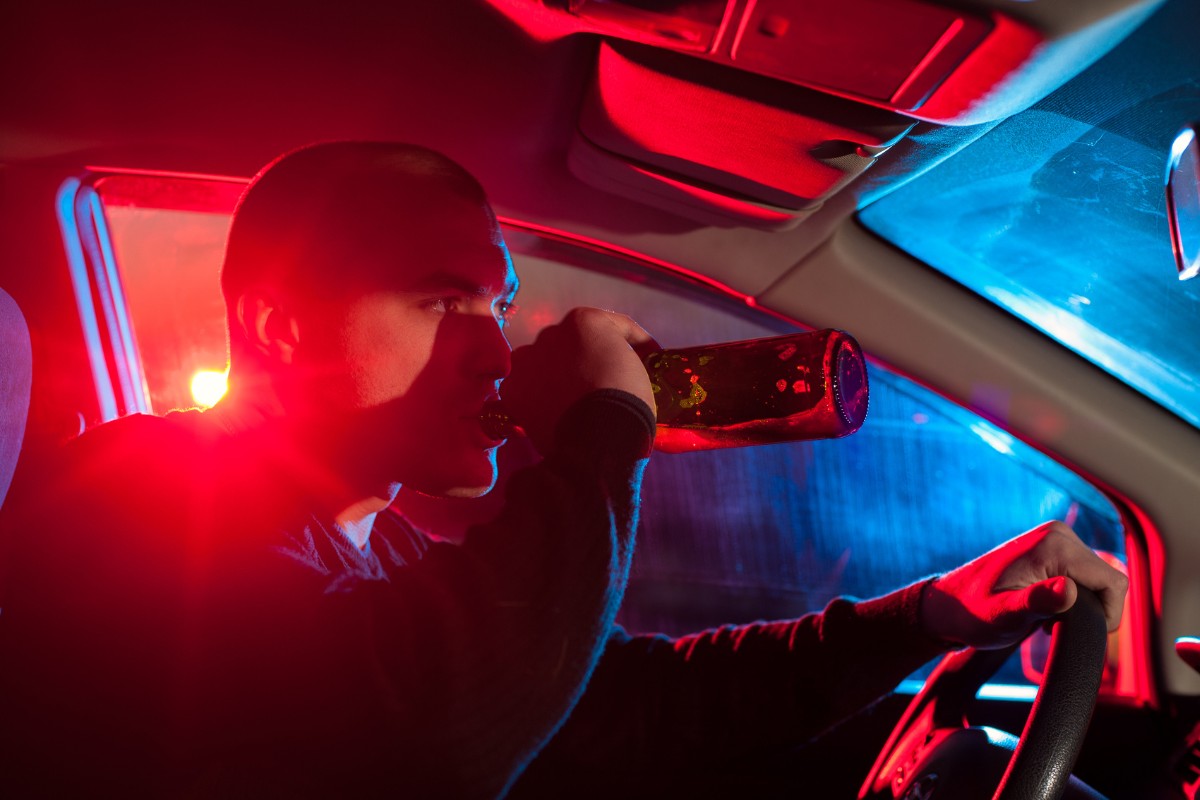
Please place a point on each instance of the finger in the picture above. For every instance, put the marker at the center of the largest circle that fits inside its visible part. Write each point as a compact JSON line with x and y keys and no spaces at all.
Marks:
{"x":1110,"y":585}
{"x":1049,"y":597}
{"x":1113,"y":600}
{"x":638,"y":337}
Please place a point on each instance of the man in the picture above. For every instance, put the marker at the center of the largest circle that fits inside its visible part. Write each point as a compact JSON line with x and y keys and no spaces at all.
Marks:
{"x":222,"y":602}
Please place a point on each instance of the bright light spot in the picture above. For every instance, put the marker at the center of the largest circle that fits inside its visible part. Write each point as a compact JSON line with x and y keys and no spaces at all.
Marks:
{"x":1000,"y":738}
{"x":1006,"y":691}
{"x":1000,"y":441}
{"x":920,"y":419}
{"x":208,"y":386}
{"x":989,"y":691}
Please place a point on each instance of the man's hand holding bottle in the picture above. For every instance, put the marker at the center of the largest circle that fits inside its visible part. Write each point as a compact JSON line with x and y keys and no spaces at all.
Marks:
{"x":590,"y":349}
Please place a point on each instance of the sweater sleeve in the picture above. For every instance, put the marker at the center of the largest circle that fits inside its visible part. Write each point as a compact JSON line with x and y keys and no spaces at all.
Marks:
{"x":724,"y":693}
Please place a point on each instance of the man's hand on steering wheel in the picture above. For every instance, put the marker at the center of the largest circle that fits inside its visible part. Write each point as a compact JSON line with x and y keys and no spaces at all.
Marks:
{"x":998,"y":598}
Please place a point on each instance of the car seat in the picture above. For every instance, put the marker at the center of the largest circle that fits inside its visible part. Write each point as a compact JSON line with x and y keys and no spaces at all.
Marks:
{"x":16,"y":372}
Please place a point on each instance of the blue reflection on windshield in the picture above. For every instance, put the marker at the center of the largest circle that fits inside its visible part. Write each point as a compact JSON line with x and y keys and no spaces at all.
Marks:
{"x":1059,"y":215}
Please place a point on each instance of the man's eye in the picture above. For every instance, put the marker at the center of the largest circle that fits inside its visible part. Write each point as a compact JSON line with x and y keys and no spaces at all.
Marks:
{"x":505,"y":311}
{"x":441,"y":305}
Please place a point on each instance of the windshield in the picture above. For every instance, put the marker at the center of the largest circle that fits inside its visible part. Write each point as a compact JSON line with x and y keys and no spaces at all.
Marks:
{"x":1059,"y":216}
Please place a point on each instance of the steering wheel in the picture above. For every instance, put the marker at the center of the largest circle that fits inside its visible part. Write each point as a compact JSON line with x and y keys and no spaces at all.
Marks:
{"x":932,"y":751}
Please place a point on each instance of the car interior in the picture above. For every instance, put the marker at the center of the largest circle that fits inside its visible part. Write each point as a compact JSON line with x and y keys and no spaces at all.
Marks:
{"x":998,"y":199}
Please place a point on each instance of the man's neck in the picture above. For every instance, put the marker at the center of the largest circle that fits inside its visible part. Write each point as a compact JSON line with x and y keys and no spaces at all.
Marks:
{"x":314,"y":467}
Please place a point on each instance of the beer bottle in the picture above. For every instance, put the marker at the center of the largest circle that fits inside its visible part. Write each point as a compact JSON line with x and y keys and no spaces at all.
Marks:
{"x":760,"y":391}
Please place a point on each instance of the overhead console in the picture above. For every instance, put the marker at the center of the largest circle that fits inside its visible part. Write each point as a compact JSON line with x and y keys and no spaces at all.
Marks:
{"x":755,"y":112}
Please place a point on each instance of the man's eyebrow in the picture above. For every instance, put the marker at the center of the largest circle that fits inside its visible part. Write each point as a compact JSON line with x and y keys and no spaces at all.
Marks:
{"x":441,"y":281}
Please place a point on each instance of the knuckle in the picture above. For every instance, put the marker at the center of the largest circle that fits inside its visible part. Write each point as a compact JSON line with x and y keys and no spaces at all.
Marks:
{"x":1055,"y":528}
{"x":1058,"y":535}
{"x":584,"y":314}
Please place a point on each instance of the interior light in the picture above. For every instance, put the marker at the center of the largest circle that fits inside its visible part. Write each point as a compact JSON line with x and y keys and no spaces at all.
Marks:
{"x":208,"y":386}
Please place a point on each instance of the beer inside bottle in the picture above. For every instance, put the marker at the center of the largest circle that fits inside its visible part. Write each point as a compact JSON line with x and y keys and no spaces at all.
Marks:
{"x":777,"y":389}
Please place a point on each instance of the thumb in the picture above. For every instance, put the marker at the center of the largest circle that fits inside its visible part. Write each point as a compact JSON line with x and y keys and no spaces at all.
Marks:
{"x":1049,"y":597}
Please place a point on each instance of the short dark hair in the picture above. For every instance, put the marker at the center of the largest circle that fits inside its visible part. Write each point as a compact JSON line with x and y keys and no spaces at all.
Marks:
{"x":307,"y":211}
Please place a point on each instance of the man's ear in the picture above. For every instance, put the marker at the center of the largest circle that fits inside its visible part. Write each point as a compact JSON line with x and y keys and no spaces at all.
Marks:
{"x":268,"y":326}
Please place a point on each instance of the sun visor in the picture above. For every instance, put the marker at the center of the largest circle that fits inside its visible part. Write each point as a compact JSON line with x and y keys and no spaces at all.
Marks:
{"x":949,"y":62}
{"x":720,"y":145}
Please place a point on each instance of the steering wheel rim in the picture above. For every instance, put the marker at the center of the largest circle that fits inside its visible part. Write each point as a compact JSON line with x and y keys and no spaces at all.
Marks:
{"x":1040,"y":766}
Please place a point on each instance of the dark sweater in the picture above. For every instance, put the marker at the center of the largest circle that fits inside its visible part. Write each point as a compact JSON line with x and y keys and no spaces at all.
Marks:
{"x":179,"y":621}
{"x":178,"y":617}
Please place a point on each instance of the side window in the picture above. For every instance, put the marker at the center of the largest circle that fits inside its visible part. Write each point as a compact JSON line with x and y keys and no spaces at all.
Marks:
{"x":174,"y":295}
{"x":774,"y":532}
{"x":162,"y":244}
{"x":726,"y":536}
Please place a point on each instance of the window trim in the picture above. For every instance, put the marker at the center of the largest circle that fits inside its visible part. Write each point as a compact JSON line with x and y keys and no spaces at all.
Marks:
{"x":95,"y":277}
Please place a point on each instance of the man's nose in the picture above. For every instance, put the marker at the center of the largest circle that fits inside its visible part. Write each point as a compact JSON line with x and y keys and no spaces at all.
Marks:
{"x":491,"y":352}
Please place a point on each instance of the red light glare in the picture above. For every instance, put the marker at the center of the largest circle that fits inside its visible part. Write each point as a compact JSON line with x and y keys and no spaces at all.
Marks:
{"x":209,"y":386}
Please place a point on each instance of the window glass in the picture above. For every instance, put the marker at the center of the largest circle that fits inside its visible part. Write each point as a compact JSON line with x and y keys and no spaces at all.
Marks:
{"x":170,"y":264}
{"x":726,"y":536}
{"x":1058,"y":214}
{"x":1081,"y":256}
{"x":168,"y":237}
{"x":774,"y":532}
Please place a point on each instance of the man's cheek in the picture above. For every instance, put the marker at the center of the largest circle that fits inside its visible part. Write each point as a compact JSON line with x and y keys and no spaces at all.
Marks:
{"x":378,"y":380}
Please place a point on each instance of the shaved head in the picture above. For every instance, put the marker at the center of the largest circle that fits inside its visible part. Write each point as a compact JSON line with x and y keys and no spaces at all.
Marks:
{"x":337,"y":217}
{"x":368,"y":285}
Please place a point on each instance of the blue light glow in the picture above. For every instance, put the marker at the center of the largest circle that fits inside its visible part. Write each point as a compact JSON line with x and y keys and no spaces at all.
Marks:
{"x":989,"y":691}
{"x":1058,"y":214}
{"x":995,"y":438}
{"x":1180,"y":144}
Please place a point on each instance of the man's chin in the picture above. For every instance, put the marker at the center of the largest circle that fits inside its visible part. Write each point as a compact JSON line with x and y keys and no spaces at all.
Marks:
{"x":468,"y":483}
{"x":469,"y":491}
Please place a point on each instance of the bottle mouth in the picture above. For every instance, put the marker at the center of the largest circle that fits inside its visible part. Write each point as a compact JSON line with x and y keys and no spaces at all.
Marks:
{"x":496,"y":422}
{"x":850,"y":384}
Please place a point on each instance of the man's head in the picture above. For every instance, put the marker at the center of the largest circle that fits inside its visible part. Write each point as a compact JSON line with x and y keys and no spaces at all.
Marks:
{"x":367,"y":286}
